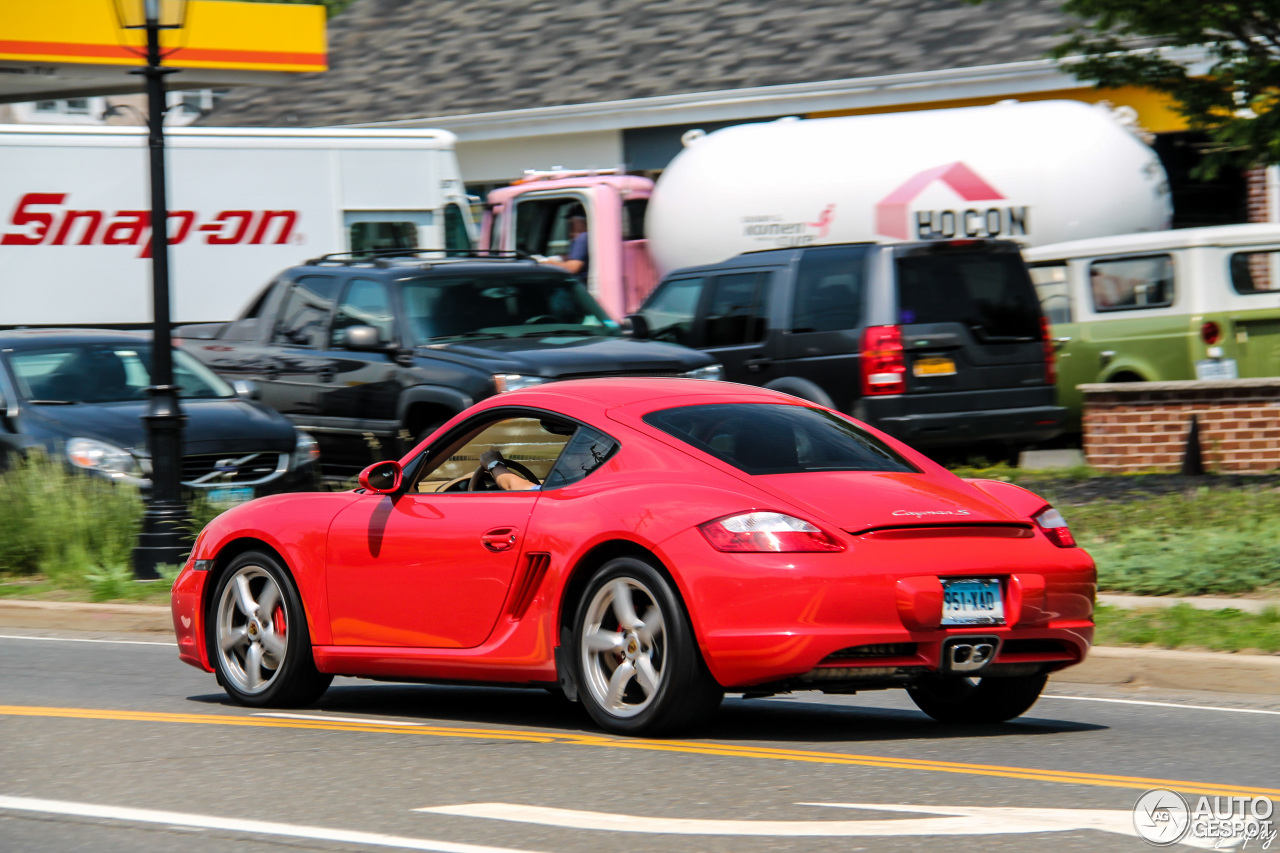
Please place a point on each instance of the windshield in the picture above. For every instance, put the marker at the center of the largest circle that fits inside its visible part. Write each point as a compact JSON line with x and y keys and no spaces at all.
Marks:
{"x":769,"y":438}
{"x":105,"y":373}
{"x":440,"y":308}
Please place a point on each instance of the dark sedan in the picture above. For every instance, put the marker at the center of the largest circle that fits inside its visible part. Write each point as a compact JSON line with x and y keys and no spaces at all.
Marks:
{"x":80,"y":396}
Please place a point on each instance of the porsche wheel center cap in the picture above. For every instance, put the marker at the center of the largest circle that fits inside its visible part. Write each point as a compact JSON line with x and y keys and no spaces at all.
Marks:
{"x":254,"y":630}
{"x":633,"y":647}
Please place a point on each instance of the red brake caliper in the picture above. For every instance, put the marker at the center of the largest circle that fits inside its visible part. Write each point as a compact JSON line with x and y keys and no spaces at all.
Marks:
{"x":277,"y":620}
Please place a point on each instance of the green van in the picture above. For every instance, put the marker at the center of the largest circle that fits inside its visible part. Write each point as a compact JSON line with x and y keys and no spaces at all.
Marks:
{"x":1196,"y":303}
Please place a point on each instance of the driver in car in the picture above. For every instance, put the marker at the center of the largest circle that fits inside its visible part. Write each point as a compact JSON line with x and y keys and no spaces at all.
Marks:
{"x":507,"y":480}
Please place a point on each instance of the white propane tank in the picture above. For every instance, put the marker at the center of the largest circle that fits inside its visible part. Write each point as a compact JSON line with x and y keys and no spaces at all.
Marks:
{"x":1036,"y":172}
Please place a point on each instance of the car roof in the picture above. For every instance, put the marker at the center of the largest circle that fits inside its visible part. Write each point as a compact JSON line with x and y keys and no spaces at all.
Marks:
{"x":398,"y":266}
{"x":580,"y":396}
{"x":33,"y":338}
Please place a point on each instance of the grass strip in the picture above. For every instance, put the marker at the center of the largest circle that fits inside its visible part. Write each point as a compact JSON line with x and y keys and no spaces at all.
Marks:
{"x":1184,"y":627}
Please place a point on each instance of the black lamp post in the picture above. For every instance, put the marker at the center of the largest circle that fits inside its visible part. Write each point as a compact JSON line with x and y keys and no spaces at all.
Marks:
{"x":161,"y":541}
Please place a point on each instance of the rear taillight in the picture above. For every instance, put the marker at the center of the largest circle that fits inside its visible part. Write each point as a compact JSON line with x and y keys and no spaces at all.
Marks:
{"x":884,"y":368}
{"x":767,"y":531}
{"x":1050,"y":354}
{"x":1210,"y":333}
{"x":1055,"y":527}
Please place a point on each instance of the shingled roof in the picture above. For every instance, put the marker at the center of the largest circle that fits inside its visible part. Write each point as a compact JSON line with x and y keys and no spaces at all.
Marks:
{"x":405,"y":59}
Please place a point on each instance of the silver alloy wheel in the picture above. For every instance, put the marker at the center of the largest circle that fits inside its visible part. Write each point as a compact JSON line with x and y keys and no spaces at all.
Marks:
{"x":251,"y":630}
{"x":623,"y":653}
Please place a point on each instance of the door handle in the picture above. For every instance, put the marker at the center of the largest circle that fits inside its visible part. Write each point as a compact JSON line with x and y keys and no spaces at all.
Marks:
{"x":499,"y":539}
{"x":271,"y":373}
{"x":1106,"y":355}
{"x":757,"y":364}
{"x":1059,"y":343}
{"x":327,"y":374}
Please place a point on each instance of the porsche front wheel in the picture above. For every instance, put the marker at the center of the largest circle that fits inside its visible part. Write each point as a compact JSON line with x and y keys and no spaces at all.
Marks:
{"x":258,"y":636}
{"x":956,"y":699}
{"x":638,"y":667}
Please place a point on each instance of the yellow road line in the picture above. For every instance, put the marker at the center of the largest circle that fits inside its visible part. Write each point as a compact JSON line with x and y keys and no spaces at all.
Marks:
{"x":678,"y":746}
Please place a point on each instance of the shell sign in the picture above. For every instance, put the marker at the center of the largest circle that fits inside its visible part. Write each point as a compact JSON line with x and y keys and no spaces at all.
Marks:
{"x":45,"y":34}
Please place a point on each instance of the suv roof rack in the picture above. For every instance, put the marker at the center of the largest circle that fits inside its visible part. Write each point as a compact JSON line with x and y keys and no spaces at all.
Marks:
{"x":387,"y":257}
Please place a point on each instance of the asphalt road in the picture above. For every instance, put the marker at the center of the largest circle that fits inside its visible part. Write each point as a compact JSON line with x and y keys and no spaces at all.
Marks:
{"x":108,"y":743}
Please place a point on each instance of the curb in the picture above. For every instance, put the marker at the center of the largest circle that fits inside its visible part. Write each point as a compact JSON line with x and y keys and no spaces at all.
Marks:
{"x":1177,"y":670}
{"x":1199,"y":602}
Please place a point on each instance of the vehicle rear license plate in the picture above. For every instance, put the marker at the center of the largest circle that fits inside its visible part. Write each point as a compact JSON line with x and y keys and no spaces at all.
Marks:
{"x":972,"y":601}
{"x":1216,"y":368}
{"x":934,"y":367}
{"x":228,"y":496}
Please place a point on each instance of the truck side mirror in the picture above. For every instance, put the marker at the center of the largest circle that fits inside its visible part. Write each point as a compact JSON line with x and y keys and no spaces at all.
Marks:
{"x":363,"y":338}
{"x":247,"y":389}
{"x":636,"y":326}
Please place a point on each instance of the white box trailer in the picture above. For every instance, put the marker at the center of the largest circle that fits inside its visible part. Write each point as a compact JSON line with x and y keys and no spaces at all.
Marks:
{"x":244,"y":204}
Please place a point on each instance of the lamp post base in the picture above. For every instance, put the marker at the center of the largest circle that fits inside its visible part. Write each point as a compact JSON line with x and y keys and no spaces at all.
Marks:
{"x":164,"y":540}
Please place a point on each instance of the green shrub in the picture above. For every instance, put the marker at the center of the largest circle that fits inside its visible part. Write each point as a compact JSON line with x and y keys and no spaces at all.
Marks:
{"x":60,"y":524}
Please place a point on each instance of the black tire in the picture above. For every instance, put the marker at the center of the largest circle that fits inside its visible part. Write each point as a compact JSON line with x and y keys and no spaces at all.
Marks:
{"x":680,"y":692}
{"x":956,"y":699}
{"x":262,"y":659}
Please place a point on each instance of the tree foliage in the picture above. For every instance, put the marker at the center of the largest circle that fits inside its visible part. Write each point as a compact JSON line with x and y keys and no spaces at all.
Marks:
{"x":1233,"y":93}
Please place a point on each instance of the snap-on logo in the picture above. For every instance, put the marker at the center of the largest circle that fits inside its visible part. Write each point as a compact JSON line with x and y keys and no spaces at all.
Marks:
{"x":893,"y":216}
{"x":45,"y":219}
{"x":925,"y":512}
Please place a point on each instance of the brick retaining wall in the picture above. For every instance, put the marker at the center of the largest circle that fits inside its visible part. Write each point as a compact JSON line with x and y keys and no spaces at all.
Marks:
{"x":1143,"y":426}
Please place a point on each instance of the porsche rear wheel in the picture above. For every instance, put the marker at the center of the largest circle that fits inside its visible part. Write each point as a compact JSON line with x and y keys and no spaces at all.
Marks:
{"x":956,"y":699}
{"x":638,"y":667}
{"x":258,"y":638}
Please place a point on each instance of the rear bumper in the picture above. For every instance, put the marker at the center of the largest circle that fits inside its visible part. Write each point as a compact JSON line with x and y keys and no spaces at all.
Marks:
{"x":768,"y":619}
{"x":895,"y":416}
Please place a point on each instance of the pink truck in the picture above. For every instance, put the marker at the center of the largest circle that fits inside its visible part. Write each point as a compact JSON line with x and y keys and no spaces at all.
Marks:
{"x":531,"y":216}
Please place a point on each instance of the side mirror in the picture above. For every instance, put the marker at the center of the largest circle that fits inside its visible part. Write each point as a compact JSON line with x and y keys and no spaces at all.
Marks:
{"x":362,"y":338}
{"x":636,"y":326}
{"x":247,"y":389}
{"x":382,"y":478}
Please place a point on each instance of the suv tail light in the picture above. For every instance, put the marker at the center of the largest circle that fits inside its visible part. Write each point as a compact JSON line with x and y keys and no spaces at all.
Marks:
{"x":1050,"y":353}
{"x":767,"y":531}
{"x":1055,"y":527}
{"x":884,"y":368}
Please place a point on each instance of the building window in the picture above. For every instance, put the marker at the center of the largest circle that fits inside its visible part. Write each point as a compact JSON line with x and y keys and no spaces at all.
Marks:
{"x":66,"y":107}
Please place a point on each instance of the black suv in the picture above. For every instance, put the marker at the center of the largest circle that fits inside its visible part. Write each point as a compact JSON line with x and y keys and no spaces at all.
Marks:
{"x":369,"y":354}
{"x":940,"y":344}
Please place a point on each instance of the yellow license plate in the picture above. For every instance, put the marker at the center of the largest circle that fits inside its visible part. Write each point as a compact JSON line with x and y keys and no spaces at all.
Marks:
{"x":934,"y":367}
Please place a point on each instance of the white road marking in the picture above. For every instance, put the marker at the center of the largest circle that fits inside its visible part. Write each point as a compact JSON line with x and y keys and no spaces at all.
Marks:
{"x":84,"y":640}
{"x":1161,"y":704}
{"x":365,"y":720}
{"x":252,"y":827}
{"x":959,"y":820}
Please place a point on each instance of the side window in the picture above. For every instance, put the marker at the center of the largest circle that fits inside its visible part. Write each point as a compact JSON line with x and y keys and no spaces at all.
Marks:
{"x":669,"y":312}
{"x":633,"y":213}
{"x":246,"y":328}
{"x":1127,"y":284}
{"x":736,"y":313}
{"x":528,"y":441}
{"x":542,"y":225}
{"x":365,"y":303}
{"x":457,"y":240}
{"x":829,"y":289}
{"x":305,"y":311}
{"x":585,"y":452}
{"x":1255,"y":272}
{"x":383,"y":236}
{"x":1051,"y":287}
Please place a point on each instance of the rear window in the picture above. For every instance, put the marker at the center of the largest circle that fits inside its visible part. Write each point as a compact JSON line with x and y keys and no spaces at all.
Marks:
{"x":766,"y":438}
{"x":990,"y":294}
